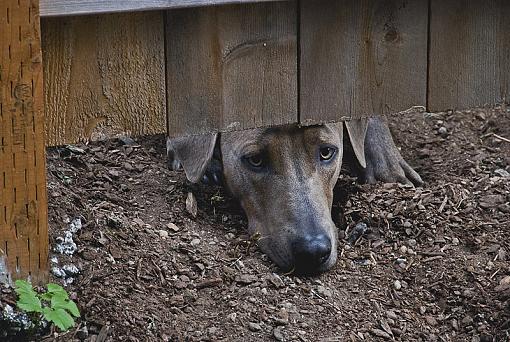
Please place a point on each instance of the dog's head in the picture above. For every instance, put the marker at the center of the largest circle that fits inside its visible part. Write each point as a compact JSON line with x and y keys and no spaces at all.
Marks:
{"x":284,"y":179}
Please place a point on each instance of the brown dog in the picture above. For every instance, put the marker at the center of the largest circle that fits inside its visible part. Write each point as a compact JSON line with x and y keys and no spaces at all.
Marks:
{"x":284,"y":179}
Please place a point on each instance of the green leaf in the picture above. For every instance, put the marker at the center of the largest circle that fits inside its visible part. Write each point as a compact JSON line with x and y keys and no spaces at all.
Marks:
{"x":24,"y":287}
{"x":59,"y":317}
{"x":46,"y":296}
{"x":29,"y":303}
{"x":57,"y":290}
{"x":58,"y":302}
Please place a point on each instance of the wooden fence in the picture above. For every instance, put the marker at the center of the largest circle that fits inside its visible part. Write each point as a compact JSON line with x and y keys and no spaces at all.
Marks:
{"x":183,"y":68}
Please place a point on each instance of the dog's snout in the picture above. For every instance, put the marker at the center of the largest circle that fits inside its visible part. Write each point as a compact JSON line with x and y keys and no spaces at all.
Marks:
{"x":311,"y":252}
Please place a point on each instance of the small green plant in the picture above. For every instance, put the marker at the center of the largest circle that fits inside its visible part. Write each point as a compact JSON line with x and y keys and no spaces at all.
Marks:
{"x":54,"y":305}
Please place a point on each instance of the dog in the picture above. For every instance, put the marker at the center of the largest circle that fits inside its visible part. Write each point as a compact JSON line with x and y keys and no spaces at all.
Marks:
{"x":284,"y":177}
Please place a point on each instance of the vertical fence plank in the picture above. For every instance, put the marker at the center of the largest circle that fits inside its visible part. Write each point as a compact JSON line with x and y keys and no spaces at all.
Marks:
{"x":23,"y":202}
{"x":231,"y":67}
{"x":104,"y":75}
{"x":361,"y":57}
{"x":469,"y":53}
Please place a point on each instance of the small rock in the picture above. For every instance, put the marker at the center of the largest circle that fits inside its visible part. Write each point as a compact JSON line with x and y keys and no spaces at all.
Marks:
{"x":177,"y":300}
{"x":359,"y":230}
{"x":283,"y":317}
{"x":278,"y":334}
{"x":397,"y":285}
{"x":254,"y":327}
{"x":163,"y":234}
{"x":127,"y":141}
{"x":323,"y":291}
{"x":403,"y":249}
{"x":504,"y":284}
{"x":246,"y":279}
{"x":128,"y":167}
{"x":191,"y":204}
{"x":114,"y":174}
{"x":467,"y":320}
{"x":172,"y":226}
{"x":442,"y":131}
{"x":391,"y":315}
{"x":423,"y":310}
{"x":195,"y":242}
{"x":431,"y":320}
{"x":455,"y":241}
{"x":275,"y":280}
{"x":407,"y":224}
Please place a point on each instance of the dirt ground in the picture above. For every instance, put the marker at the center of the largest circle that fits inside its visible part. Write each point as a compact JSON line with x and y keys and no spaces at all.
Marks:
{"x":432,"y":267}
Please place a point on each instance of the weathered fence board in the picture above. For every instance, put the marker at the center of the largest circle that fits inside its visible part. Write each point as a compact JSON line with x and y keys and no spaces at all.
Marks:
{"x":469,"y":53}
{"x":23,"y":203}
{"x":104,"y":75}
{"x":75,"y":7}
{"x":361,"y":57}
{"x":231,"y":67}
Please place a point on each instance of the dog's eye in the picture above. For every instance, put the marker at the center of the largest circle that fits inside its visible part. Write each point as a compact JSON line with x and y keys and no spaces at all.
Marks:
{"x":327,"y":153}
{"x":255,"y":160}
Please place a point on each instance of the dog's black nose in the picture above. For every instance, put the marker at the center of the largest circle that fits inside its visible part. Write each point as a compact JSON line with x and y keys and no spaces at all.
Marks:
{"x":311,"y":252}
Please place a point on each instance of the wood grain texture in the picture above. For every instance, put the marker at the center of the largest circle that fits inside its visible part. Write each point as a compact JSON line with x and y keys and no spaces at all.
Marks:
{"x":23,"y":202}
{"x":51,"y":8}
{"x":231,"y":67}
{"x":469,"y":54}
{"x":104,"y":76}
{"x":361,"y":58}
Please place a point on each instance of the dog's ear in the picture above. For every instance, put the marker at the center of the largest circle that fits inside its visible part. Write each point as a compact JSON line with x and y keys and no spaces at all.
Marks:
{"x":357,"y":130}
{"x":193,"y":153}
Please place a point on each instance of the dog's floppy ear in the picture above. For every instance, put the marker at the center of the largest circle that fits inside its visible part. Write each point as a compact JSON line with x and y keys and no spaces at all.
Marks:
{"x":193,"y":153}
{"x":357,"y":130}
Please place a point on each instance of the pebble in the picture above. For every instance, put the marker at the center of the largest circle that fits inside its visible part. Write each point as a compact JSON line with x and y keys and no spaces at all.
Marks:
{"x":423,"y":310}
{"x":468,"y":320}
{"x":276,"y":280}
{"x":323,"y":291}
{"x":442,"y":131}
{"x":172,"y":226}
{"x":163,"y":234}
{"x":283,"y":317}
{"x":397,"y":285}
{"x":455,"y":241}
{"x":431,"y":320}
{"x":254,"y":326}
{"x":403,"y":249}
{"x":391,"y":315}
{"x":407,"y":224}
{"x":411,"y":242}
{"x":195,"y":242}
{"x":278,"y":334}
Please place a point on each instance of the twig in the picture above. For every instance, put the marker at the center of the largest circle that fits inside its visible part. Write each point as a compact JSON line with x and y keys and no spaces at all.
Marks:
{"x":326,"y":301}
{"x":497,"y":136}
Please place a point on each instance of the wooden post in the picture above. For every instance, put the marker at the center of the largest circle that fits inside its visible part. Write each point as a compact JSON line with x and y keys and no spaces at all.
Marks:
{"x":23,"y":200}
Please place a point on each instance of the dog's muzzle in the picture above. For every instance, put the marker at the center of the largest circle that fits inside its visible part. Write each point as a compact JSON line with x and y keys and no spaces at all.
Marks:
{"x":311,"y":253}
